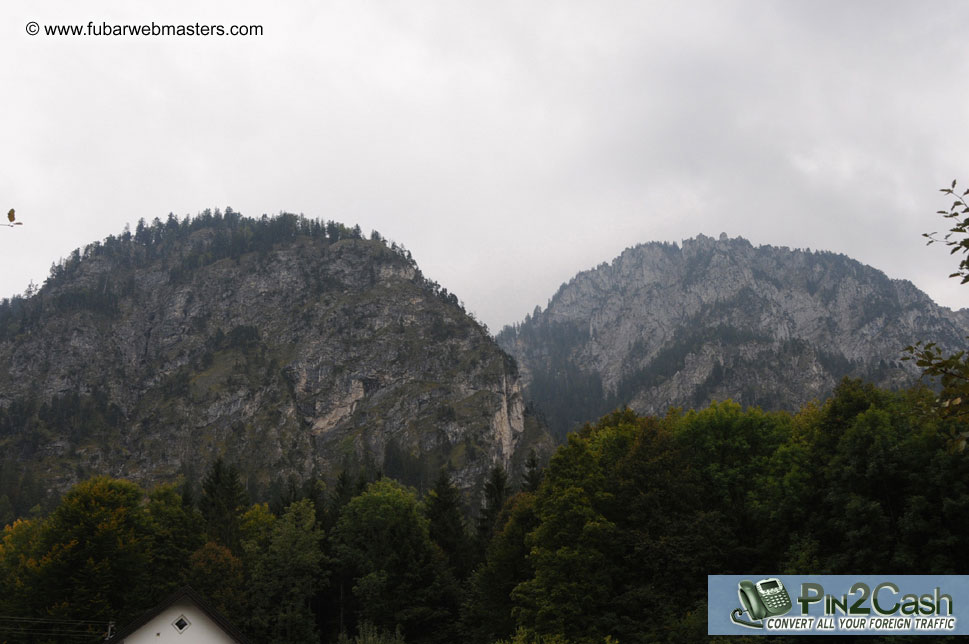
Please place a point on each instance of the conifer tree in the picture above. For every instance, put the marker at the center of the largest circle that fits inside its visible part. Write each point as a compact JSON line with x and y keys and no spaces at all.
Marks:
{"x":442,"y":507}
{"x":533,"y":473}
{"x":496,"y":492}
{"x":222,"y":502}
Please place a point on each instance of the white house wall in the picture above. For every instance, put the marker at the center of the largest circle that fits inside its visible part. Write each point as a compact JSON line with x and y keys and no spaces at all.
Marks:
{"x":159,"y":630}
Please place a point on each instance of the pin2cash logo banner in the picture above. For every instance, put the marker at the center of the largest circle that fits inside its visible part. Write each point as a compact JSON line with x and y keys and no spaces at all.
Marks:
{"x":838,"y":604}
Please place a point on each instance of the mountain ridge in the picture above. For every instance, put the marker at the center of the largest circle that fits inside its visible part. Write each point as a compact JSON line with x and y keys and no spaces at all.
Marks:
{"x":291,"y":347}
{"x":666,"y":325}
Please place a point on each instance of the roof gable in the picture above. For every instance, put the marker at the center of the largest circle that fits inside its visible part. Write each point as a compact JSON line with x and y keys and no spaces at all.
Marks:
{"x":183,"y":596}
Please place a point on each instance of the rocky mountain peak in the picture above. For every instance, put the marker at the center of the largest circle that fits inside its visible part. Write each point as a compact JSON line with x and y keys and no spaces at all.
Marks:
{"x":666,"y":324}
{"x":291,"y":347}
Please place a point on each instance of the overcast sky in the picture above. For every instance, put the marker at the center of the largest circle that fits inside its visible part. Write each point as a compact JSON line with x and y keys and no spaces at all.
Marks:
{"x":508,"y":145}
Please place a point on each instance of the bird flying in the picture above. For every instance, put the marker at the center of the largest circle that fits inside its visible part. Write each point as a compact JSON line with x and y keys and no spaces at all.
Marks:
{"x":10,"y":218}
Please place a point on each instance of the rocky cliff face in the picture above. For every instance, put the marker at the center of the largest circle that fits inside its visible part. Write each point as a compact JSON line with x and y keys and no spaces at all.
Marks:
{"x":306,"y":356}
{"x":667,"y":325}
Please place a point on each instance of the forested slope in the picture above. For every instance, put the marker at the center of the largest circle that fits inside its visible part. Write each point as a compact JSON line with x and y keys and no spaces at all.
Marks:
{"x":290,"y":346}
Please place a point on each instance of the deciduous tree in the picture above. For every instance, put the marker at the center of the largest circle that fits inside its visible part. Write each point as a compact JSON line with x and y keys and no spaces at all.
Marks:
{"x":95,"y":553}
{"x":951,"y":370}
{"x":400,"y":578}
{"x":285,"y":576}
{"x":176,"y":532}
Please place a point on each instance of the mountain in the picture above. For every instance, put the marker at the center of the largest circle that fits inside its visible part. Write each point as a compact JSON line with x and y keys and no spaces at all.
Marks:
{"x":288,"y":346}
{"x":665,"y":325}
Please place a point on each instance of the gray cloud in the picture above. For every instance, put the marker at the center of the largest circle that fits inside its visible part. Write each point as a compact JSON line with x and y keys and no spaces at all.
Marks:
{"x":508,"y":145}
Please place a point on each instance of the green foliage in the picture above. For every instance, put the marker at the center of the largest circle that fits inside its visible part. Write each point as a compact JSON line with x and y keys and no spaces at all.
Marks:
{"x":74,"y":415}
{"x":487,"y":611}
{"x":957,"y":239}
{"x":219,"y":575}
{"x":176,"y":532}
{"x":96,"y":548}
{"x":446,"y":526}
{"x":21,"y":487}
{"x":532,"y":478}
{"x":632,"y":513}
{"x":369,"y":634}
{"x":19,"y":554}
{"x":313,"y":489}
{"x":222,"y":502}
{"x":635,"y":512}
{"x":524,"y":636}
{"x":285,"y":575}
{"x":7,"y":513}
{"x":731,"y":451}
{"x":255,"y":527}
{"x":400,"y":578}
{"x":952,"y":371}
{"x":344,"y":490}
{"x":101,"y":300}
{"x":89,"y":560}
{"x":496,"y":492}
{"x":878,"y":488}
{"x":619,"y":525}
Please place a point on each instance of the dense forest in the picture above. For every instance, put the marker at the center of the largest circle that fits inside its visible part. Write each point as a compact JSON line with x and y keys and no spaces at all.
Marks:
{"x":610,"y":542}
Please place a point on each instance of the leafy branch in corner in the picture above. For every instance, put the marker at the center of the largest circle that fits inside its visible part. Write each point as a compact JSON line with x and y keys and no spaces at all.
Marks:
{"x":959,"y":210}
{"x":952,"y":370}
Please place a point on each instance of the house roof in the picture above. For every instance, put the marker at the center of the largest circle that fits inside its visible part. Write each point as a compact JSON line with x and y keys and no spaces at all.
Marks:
{"x":201,"y":602}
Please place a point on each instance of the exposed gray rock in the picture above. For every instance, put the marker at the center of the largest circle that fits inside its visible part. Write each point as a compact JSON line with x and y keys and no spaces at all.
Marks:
{"x":305,"y":359}
{"x":665,"y":325}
